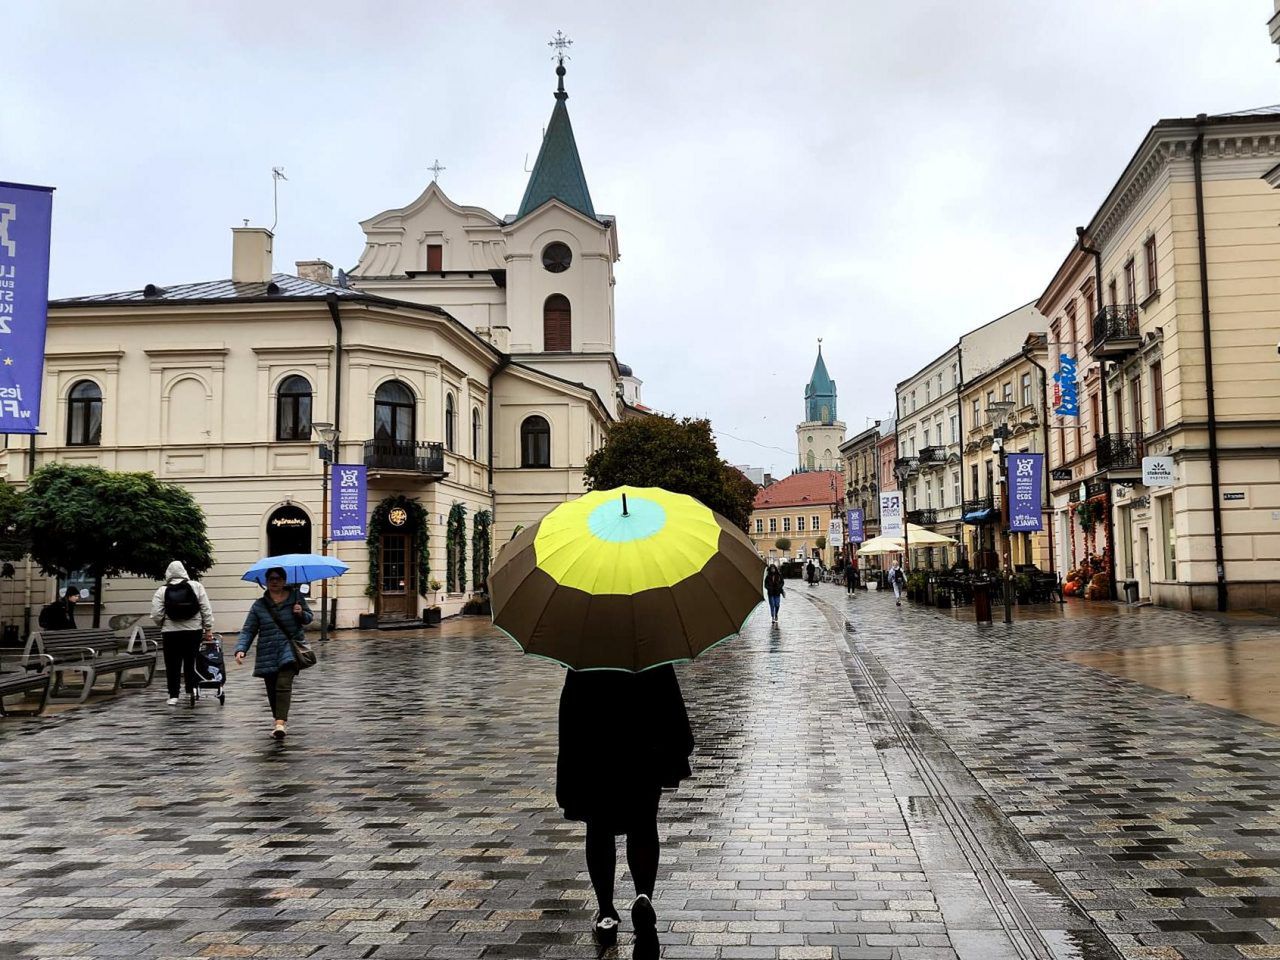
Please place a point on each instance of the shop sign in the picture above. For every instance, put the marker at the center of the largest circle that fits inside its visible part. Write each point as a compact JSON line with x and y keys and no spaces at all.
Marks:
{"x":1157,"y":471}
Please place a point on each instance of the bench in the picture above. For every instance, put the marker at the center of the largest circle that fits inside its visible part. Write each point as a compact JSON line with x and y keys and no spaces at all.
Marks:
{"x":13,"y":684}
{"x":91,"y":651}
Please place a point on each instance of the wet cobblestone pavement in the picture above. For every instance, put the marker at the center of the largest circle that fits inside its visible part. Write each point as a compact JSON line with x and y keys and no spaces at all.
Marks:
{"x":871,"y":782}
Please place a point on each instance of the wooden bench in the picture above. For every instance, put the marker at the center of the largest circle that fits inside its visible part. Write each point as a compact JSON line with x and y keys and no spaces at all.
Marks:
{"x":91,"y":651}
{"x":29,"y":681}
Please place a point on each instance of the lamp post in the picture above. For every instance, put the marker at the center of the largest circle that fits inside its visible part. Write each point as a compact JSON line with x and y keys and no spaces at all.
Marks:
{"x":999,"y":412}
{"x":903,"y":472}
{"x":328,"y":438}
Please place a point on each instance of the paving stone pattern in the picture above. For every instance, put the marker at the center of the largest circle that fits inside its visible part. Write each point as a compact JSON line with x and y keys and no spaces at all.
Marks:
{"x":1159,"y":814}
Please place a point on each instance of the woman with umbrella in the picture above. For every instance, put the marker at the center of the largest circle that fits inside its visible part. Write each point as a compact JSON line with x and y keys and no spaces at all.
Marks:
{"x":276,"y":620}
{"x":618,"y":586}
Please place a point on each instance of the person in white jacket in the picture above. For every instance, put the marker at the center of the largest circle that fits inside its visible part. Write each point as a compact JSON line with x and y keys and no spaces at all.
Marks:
{"x":181,"y":609}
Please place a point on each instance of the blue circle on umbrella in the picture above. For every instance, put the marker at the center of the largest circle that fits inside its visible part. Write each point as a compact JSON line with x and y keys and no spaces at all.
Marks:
{"x":644,"y":519}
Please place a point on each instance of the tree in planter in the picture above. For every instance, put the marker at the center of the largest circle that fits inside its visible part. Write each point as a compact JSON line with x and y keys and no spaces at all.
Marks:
{"x":677,"y":455}
{"x":108,"y":523}
{"x":481,"y":549}
{"x":455,"y":572}
{"x":783,"y":544}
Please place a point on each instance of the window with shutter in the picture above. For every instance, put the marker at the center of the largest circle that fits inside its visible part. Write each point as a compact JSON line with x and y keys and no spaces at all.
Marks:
{"x":557,"y":326}
{"x":435,"y":257}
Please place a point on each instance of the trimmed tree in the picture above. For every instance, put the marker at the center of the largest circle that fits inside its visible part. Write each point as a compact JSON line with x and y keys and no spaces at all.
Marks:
{"x":677,"y":455}
{"x":108,"y":523}
{"x":783,"y":544}
{"x":820,"y":543}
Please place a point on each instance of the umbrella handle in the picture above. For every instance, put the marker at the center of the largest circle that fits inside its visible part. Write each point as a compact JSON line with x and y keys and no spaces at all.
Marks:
{"x":624,"y":506}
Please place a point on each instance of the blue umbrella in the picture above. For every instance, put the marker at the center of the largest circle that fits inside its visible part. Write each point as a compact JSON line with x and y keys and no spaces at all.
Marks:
{"x":298,"y":568}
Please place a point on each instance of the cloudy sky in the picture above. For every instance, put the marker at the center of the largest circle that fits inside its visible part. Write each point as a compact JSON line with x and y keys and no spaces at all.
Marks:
{"x":883,"y":176}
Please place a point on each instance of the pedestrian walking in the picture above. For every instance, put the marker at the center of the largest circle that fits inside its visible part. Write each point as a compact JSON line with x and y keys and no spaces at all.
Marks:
{"x":180,"y":608}
{"x":774,"y":589}
{"x":61,"y":614}
{"x":899,"y":580}
{"x":624,"y":737}
{"x":811,"y":574}
{"x":276,"y":619}
{"x":850,"y":578}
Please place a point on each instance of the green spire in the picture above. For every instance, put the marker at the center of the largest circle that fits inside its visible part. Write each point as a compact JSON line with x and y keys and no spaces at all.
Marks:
{"x":820,"y":393}
{"x":558,"y":172}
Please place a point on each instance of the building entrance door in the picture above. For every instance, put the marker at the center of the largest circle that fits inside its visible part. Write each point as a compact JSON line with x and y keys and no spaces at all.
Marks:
{"x":396,"y":588}
{"x":1144,"y":563}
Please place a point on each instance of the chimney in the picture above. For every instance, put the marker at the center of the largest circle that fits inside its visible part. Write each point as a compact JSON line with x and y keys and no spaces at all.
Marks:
{"x":321,"y":271}
{"x":250,"y":255}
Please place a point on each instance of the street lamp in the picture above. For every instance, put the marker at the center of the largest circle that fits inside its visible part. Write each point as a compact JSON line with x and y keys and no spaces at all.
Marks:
{"x":998,"y":413}
{"x":902,"y":470}
{"x":328,"y":440}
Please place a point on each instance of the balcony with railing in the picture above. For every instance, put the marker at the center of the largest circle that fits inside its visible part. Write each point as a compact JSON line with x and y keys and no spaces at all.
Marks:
{"x":906,"y":467}
{"x":407,"y":456}
{"x":933,"y":455}
{"x":981,"y":509}
{"x":925,"y":517}
{"x":1120,"y":452}
{"x":1115,"y":331}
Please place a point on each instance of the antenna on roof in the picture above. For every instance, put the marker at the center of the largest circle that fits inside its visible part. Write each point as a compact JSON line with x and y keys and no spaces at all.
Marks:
{"x":277,"y":174}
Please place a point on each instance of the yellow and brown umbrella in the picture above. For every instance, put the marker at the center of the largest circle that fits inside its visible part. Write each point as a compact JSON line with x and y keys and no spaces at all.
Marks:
{"x":625,"y":579}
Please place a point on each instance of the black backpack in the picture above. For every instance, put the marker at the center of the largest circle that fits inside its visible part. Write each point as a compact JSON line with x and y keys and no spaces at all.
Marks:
{"x":180,"y":601}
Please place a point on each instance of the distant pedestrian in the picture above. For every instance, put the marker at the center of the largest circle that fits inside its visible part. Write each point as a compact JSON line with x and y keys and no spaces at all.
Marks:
{"x":850,"y":577}
{"x":180,"y":608}
{"x":811,"y":573}
{"x":898,"y":579}
{"x":623,"y":738}
{"x":774,"y":589}
{"x":275,"y":617}
{"x":61,"y":614}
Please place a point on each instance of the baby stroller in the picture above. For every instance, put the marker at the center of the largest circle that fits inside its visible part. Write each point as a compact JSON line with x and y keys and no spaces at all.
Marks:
{"x":211,"y":668}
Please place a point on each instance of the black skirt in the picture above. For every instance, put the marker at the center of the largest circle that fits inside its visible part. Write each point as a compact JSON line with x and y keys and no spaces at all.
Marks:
{"x":623,"y":737}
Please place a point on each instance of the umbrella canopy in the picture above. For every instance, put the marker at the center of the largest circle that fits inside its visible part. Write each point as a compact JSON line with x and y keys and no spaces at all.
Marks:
{"x":878,"y":546}
{"x":625,"y":579}
{"x":298,"y":568}
{"x":919,"y":537}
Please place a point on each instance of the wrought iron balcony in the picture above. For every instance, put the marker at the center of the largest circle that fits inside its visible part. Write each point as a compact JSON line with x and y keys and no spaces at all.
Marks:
{"x":979,"y":503}
{"x":933,"y":455}
{"x":1115,"y":331}
{"x":906,"y":467}
{"x":926,"y":517}
{"x":1120,"y":452}
{"x":408,"y":455}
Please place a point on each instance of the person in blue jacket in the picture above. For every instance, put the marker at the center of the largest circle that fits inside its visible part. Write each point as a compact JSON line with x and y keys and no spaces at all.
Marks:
{"x":281,"y":606}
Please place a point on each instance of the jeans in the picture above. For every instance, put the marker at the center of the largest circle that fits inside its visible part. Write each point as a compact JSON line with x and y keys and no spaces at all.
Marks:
{"x":897,"y":590}
{"x":775,"y":601}
{"x":180,"y":658}
{"x":280,"y":691}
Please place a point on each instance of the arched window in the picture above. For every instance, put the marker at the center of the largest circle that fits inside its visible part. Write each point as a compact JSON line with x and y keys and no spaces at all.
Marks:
{"x":557,"y":326}
{"x":293,"y":409}
{"x":475,"y":433}
{"x":450,"y":422}
{"x":84,"y":415}
{"x":393,"y":413}
{"x":288,"y":531}
{"x":535,"y":442}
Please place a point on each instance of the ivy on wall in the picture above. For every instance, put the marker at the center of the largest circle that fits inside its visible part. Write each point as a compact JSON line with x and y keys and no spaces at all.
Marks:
{"x":415,"y":524}
{"x":481,"y":549}
{"x":456,"y":549}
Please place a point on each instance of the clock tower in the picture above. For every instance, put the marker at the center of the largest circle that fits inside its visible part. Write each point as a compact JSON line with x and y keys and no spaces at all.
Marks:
{"x":819,"y":436}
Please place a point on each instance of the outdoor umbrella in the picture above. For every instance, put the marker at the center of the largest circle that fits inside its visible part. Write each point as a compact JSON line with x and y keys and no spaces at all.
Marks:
{"x":879,"y":546}
{"x":625,"y":579}
{"x":298,"y":568}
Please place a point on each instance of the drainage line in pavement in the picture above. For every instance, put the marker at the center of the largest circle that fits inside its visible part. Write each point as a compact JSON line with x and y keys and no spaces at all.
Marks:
{"x":1012,"y":916}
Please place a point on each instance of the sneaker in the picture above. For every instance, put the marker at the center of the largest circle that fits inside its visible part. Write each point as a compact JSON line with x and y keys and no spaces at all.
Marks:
{"x":604,"y":928}
{"x":645,"y":921}
{"x":172,"y":701}
{"x":278,"y":732}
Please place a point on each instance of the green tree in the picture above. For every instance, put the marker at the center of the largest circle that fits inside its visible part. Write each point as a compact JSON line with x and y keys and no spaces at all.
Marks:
{"x":783,"y":544}
{"x":821,"y":543}
{"x":677,"y":455}
{"x":108,"y":524}
{"x":14,"y":542}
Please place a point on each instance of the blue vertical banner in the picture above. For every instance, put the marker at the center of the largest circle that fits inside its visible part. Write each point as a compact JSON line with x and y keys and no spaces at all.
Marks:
{"x":349,"y":486}
{"x":26,"y":217}
{"x":1066,"y":391}
{"x":1026,"y":475}
{"x":857,"y":533}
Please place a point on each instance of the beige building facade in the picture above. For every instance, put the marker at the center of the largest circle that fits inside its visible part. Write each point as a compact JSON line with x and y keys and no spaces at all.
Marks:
{"x":928,"y":462}
{"x":862,"y":478}
{"x":798,"y":509}
{"x":467,"y":361}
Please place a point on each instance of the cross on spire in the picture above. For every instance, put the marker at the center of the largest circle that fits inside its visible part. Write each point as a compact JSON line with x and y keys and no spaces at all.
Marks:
{"x":436,"y":170}
{"x":560,"y":45}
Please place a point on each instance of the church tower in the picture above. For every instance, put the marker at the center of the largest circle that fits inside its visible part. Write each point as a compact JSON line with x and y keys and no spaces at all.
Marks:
{"x":819,"y":436}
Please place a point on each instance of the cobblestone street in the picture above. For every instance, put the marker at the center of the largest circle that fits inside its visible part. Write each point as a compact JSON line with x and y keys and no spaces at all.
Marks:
{"x":870,"y":782}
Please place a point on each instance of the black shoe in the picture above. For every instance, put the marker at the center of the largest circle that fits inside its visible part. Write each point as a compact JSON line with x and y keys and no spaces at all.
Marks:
{"x":605,"y":928}
{"x":645,"y":921}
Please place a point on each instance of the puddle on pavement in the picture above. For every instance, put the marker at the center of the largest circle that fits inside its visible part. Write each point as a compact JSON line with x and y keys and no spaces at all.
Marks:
{"x":1238,"y":675}
{"x":1078,"y":945}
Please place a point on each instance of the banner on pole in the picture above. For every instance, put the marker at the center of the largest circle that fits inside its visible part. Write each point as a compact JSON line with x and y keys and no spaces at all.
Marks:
{"x":1026,"y":471}
{"x":1066,"y":392}
{"x":349,"y":484}
{"x":857,"y":530}
{"x":891,"y":514}
{"x":26,"y":215}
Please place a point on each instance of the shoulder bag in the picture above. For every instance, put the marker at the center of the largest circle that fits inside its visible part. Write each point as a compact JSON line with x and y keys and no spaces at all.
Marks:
{"x":303,"y":655}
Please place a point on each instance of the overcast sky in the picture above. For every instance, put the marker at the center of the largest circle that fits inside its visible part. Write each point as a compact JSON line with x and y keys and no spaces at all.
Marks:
{"x":884,"y":176}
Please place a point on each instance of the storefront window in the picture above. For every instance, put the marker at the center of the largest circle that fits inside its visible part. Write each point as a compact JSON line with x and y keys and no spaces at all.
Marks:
{"x":1170,"y":538}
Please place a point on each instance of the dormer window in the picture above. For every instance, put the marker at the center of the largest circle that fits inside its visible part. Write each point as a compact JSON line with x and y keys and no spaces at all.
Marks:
{"x":556,"y":257}
{"x":435,"y":257}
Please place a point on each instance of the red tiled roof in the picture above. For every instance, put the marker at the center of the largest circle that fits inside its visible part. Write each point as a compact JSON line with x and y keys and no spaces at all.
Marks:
{"x":801,"y":489}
